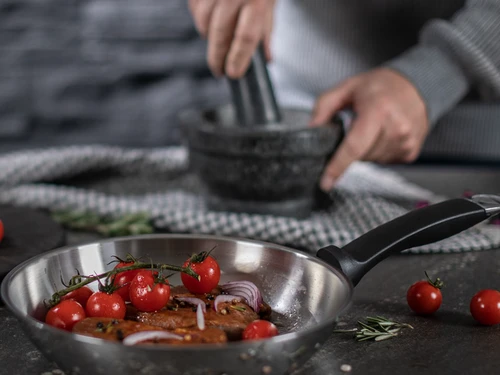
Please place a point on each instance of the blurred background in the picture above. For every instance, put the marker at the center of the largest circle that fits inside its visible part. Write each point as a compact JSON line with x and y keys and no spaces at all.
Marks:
{"x":99,"y":71}
{"x":118,"y":72}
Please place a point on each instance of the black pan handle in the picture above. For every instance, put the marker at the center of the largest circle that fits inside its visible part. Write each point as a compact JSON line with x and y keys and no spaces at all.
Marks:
{"x":418,"y":227}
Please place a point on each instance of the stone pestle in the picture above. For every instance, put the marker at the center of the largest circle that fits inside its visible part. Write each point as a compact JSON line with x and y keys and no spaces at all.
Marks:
{"x":253,"y":95}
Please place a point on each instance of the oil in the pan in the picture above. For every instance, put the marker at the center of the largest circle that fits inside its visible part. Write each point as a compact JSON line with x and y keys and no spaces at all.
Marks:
{"x":292,"y":320}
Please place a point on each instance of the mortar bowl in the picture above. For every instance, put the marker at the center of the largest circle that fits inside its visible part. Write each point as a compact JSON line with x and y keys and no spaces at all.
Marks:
{"x":272,"y":169}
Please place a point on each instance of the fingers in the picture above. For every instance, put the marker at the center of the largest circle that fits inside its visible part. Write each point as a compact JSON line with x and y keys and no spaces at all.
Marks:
{"x":381,"y":150}
{"x":249,"y":32}
{"x":234,"y":29}
{"x":358,"y":143}
{"x":268,"y":30}
{"x":202,"y":12}
{"x":396,"y":144}
{"x":332,"y":101}
{"x":220,"y":34}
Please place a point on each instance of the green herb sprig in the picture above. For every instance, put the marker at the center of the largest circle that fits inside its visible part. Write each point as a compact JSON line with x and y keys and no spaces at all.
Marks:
{"x":376,"y":328}
{"x":130,"y":224}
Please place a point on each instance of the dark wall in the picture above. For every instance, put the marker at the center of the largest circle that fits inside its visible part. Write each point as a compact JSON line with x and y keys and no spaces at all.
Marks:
{"x":118,"y":71}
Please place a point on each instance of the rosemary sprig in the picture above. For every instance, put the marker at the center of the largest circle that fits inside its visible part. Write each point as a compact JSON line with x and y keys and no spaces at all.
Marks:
{"x":131,"y":224}
{"x":375,"y":328}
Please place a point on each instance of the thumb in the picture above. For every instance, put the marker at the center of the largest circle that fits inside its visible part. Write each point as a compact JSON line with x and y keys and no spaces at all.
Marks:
{"x":331,"y":102}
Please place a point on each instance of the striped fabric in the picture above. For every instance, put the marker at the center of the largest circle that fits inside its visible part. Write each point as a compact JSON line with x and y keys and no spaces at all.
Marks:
{"x":366,"y":197}
{"x":447,"y":48}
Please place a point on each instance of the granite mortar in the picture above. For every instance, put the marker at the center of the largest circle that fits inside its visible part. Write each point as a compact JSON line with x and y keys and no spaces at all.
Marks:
{"x":272,"y":169}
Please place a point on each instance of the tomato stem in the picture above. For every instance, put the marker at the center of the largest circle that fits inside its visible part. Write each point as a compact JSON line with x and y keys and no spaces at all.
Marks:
{"x":438,"y":283}
{"x":200,"y":257}
{"x":84,"y":280}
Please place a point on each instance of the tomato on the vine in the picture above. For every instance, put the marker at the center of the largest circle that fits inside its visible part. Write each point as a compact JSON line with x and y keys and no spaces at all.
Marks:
{"x":259,"y":329}
{"x":424,"y":297}
{"x":148,"y":292}
{"x":485,"y":307}
{"x":65,"y":314}
{"x":80,"y":295}
{"x":105,"y":305}
{"x":207,"y":269}
{"x":123,"y":279}
{"x":1,"y":230}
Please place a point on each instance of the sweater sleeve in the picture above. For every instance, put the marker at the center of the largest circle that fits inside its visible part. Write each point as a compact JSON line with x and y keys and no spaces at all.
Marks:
{"x":454,"y":55}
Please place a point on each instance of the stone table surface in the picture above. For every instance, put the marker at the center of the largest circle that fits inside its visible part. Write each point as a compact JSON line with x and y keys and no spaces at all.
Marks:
{"x":450,"y":342}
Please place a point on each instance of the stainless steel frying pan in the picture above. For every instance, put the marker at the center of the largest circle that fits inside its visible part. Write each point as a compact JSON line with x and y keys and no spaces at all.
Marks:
{"x":307,"y":293}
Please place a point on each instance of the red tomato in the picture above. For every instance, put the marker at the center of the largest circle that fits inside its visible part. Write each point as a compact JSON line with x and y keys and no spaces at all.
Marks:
{"x":485,"y":307}
{"x":424,"y":297}
{"x":123,"y":280}
{"x":80,"y":295}
{"x":207,"y":268}
{"x":1,"y":230}
{"x":259,"y":329}
{"x":65,"y":314}
{"x":148,"y":294}
{"x":104,"y":305}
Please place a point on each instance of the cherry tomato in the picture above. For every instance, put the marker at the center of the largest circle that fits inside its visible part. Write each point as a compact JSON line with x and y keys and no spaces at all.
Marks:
{"x":424,"y":297}
{"x":65,"y":314}
{"x":485,"y":307}
{"x":105,"y":305}
{"x":80,"y":295}
{"x":147,"y":293}
{"x":207,"y":268}
{"x":123,"y":279}
{"x":1,"y":230}
{"x":259,"y":329}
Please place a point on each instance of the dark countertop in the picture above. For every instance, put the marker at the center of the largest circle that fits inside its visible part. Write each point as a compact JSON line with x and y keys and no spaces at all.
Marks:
{"x":450,"y":342}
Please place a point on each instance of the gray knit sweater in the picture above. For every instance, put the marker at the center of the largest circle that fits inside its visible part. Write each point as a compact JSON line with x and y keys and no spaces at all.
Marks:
{"x":449,"y":49}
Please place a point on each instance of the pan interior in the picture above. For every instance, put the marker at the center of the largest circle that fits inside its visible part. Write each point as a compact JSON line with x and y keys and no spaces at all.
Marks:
{"x":301,"y":291}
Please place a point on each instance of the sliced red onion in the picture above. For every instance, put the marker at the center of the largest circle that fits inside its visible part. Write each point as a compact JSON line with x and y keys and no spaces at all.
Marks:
{"x":193,"y":301}
{"x":200,"y":318}
{"x":221,"y":298}
{"x":138,"y":337}
{"x":246,"y":290}
{"x":495,"y":221}
{"x":242,"y":291}
{"x":468,"y":194}
{"x":421,"y":204}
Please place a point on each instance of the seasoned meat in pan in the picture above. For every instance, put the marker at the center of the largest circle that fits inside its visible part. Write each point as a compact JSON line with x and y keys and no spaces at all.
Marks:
{"x":231,"y":316}
{"x":118,"y":329}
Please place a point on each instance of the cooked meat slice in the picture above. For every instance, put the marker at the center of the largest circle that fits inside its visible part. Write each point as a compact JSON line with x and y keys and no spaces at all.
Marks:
{"x":109,"y":328}
{"x":232,"y":316}
{"x":118,"y":329}
{"x":181,"y":291}
{"x":210,"y":335}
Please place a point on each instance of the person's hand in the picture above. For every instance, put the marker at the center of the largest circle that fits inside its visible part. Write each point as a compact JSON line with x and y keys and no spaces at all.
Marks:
{"x":234,"y":29}
{"x":390,"y":126}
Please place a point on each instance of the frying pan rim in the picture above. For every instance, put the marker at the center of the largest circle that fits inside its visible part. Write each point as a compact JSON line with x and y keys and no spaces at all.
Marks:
{"x":30,"y":320}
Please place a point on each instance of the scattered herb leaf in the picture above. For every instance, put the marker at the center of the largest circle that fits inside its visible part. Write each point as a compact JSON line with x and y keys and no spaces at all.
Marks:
{"x":238,"y":308}
{"x":131,"y":224}
{"x":375,"y":328}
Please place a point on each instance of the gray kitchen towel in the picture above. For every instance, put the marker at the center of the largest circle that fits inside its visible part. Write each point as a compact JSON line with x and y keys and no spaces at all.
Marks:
{"x":367,"y":196}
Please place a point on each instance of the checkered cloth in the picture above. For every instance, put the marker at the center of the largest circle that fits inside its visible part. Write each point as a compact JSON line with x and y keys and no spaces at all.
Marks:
{"x":366,"y":197}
